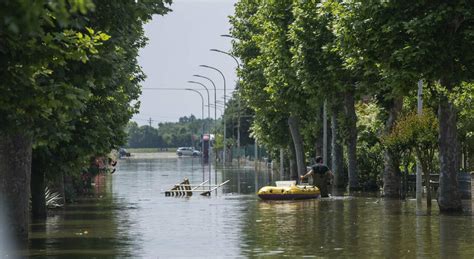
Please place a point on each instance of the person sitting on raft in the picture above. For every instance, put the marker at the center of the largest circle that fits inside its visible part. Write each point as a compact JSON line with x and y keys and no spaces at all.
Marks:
{"x":321,"y":175}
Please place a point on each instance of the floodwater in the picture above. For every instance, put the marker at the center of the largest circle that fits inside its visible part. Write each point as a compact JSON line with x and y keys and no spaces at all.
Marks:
{"x":130,"y":217}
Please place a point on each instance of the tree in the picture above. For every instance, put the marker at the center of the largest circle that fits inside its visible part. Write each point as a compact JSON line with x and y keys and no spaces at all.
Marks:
{"x":115,"y":84}
{"x":54,"y":127}
{"x":233,"y":115}
{"x":283,"y":85}
{"x":418,"y":133}
{"x":430,"y":40}
{"x":34,"y":39}
{"x":183,"y":133}
{"x":66,"y":109}
{"x":319,"y":62}
{"x":463,"y":97}
{"x":269,"y":125}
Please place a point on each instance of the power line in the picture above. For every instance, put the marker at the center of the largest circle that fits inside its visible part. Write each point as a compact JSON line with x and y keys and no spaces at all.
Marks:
{"x":180,"y":89}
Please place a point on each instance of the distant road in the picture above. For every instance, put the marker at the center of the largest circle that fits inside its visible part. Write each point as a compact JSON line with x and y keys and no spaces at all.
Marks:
{"x":151,"y":155}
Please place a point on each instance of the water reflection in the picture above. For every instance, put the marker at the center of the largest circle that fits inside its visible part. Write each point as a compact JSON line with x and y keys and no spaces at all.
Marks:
{"x":455,"y":234}
{"x":6,"y":244}
{"x":359,"y":227}
{"x":92,"y":227}
{"x":130,"y":217}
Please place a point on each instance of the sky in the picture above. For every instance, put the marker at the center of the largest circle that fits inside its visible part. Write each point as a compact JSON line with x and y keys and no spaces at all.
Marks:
{"x":178,"y":43}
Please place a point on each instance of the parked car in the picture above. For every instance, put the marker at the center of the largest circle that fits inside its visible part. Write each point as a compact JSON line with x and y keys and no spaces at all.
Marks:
{"x":123,"y":153}
{"x":188,"y":151}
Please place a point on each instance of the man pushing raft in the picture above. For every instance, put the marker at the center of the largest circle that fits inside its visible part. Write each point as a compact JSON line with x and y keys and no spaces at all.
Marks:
{"x":321,"y":176}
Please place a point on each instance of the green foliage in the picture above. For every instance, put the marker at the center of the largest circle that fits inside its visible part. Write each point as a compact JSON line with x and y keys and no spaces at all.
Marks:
{"x":414,"y":131}
{"x":232,"y":116}
{"x":115,"y":84}
{"x":463,"y":98}
{"x":34,"y":49}
{"x":70,"y":75}
{"x":269,"y":124}
{"x":143,"y":137}
{"x":296,"y":54}
{"x":418,"y":134}
{"x":283,"y":85}
{"x":184,"y":133}
{"x":464,"y":101}
{"x":318,"y":67}
{"x":369,"y":148}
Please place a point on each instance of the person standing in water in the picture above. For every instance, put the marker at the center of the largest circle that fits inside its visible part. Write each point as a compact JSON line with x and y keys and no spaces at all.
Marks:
{"x":321,"y":176}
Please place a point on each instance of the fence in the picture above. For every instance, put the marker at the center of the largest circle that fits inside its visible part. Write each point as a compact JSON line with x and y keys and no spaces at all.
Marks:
{"x":465,"y":184}
{"x":248,"y":152}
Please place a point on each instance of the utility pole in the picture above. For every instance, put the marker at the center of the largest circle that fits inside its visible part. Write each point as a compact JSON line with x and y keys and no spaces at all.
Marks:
{"x":282,"y":168}
{"x":150,"y":121}
{"x":256,"y":154}
{"x":238,"y":133}
{"x":202,"y":116}
{"x":325,"y":133}
{"x":419,"y":186}
{"x":209,"y":150}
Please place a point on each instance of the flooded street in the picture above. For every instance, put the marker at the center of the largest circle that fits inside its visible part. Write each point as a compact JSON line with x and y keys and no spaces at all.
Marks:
{"x":131,"y":217}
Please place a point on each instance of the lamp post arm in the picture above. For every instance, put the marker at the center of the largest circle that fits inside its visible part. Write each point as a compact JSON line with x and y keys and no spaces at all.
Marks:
{"x":228,"y":54}
{"x":215,"y":97}
{"x":220,"y":72}
{"x":208,"y":96}
{"x":202,"y":103}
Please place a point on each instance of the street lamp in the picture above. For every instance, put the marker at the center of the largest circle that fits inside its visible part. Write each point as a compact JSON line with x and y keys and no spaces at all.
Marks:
{"x":209,"y":157}
{"x":202,"y":118}
{"x":223,"y":117}
{"x":219,"y":108}
{"x":215,"y":113}
{"x":202,"y":99}
{"x":228,"y":54}
{"x":208,"y":97}
{"x":238,"y":122}
{"x":215,"y":98}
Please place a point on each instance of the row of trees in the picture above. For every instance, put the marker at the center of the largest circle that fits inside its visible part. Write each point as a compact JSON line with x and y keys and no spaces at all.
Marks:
{"x":184,"y":133}
{"x":187,"y":131}
{"x":70,"y":83}
{"x":303,"y":59}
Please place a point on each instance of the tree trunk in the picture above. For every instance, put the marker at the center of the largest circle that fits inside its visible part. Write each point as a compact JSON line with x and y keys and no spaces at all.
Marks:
{"x":352,"y":140}
{"x":15,"y":172}
{"x":38,"y":200}
{"x":329,"y":138}
{"x":465,"y":156}
{"x":337,"y":154}
{"x":427,"y":184}
{"x":298,"y":144}
{"x":425,"y":160}
{"x":391,"y":176}
{"x":449,"y":198}
{"x":293,"y":174}
{"x":318,"y":145}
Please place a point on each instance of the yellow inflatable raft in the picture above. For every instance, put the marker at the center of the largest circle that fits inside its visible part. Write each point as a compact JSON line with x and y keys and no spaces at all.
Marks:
{"x":288,"y":190}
